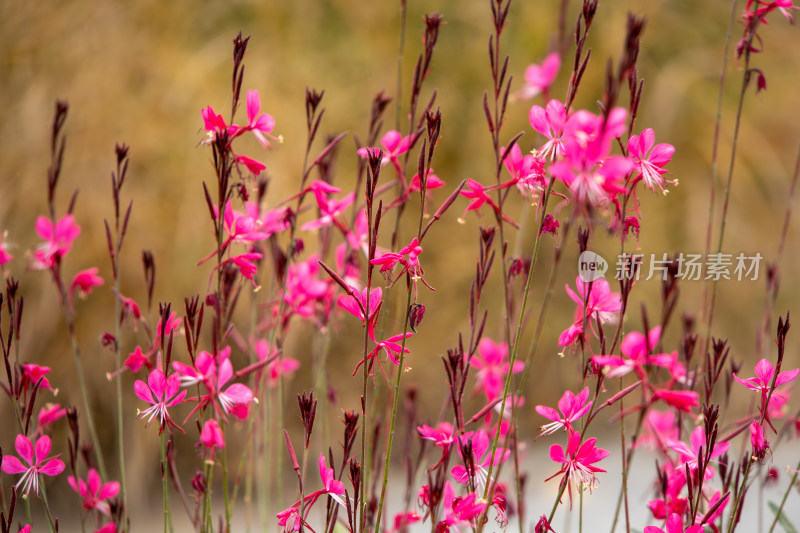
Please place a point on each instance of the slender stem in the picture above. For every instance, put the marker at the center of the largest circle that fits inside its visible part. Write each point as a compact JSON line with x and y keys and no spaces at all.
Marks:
{"x":783,"y":500}
{"x":400,"y":49}
{"x":164,"y":488}
{"x":561,"y":489}
{"x":46,"y":506}
{"x":739,"y":496}
{"x":395,"y":402}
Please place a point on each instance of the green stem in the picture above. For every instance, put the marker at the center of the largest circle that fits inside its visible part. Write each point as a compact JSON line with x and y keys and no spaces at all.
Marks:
{"x":164,"y":487}
{"x":395,"y":402}
{"x":46,"y":505}
{"x":739,"y":496}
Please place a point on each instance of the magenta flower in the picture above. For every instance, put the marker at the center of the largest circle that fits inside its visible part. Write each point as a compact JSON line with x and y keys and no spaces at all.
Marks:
{"x":674,"y":525}
{"x":577,"y":463}
{"x":572,"y":408}
{"x":659,"y":427}
{"x":682,"y":400}
{"x":595,"y":299}
{"x":59,"y":239}
{"x":34,"y":462}
{"x":762,"y":381}
{"x":161,"y":392}
{"x":291,"y":519}
{"x":211,"y":435}
{"x":649,"y":160}
{"x":357,"y":308}
{"x":83,"y":282}
{"x":329,"y":210}
{"x":283,"y":366}
{"x":459,"y":511}
{"x":48,"y":416}
{"x":5,"y":257}
{"x":136,"y":360}
{"x":760,"y":444}
{"x":477,"y":193}
{"x":442,"y":435}
{"x":32,"y":373}
{"x":481,"y":458}
{"x":407,"y":258}
{"x":491,"y":361}
{"x":95,"y":492}
{"x":214,"y":372}
{"x":395,"y":145}
{"x":261,"y":124}
{"x":538,"y":78}
{"x":688,"y":452}
{"x":550,"y":122}
{"x":638,"y":352}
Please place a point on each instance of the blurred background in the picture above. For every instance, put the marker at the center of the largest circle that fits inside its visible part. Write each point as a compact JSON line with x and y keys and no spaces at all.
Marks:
{"x":140,"y":72}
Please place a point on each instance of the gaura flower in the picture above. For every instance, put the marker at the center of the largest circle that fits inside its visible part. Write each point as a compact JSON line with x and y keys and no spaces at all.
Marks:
{"x":34,"y":462}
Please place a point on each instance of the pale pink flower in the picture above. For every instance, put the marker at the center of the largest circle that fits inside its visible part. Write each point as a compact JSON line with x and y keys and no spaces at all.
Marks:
{"x":34,"y":462}
{"x":94,"y":492}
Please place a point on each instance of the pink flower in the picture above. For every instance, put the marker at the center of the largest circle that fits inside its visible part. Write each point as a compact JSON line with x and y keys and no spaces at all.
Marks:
{"x":659,"y":427}
{"x":59,"y":239}
{"x":576,"y":463}
{"x":407,"y":258}
{"x":683,"y":400}
{"x":649,"y":160}
{"x":290,"y":518}
{"x":32,"y":373}
{"x":595,"y":299}
{"x":688,"y":452}
{"x":214,"y":372}
{"x":161,"y":392}
{"x":283,"y":366}
{"x":136,"y":360}
{"x":491,"y":361}
{"x":550,"y":122}
{"x":638,"y":352}
{"x":760,"y":444}
{"x":395,"y":145}
{"x":5,"y":257}
{"x":674,"y":525}
{"x":481,"y":458}
{"x":35,"y":462}
{"x":212,"y":435}
{"x":95,"y":492}
{"x":459,"y":511}
{"x":329,"y":210}
{"x":762,"y":381}
{"x":477,"y":193}
{"x":572,"y":408}
{"x":261,"y":124}
{"x":357,"y":308}
{"x":538,"y":78}
{"x":84,"y":281}
{"x":48,"y":415}
{"x":442,"y":435}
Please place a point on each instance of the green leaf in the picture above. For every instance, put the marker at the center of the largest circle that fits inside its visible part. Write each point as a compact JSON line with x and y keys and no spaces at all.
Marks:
{"x":782,"y":520}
